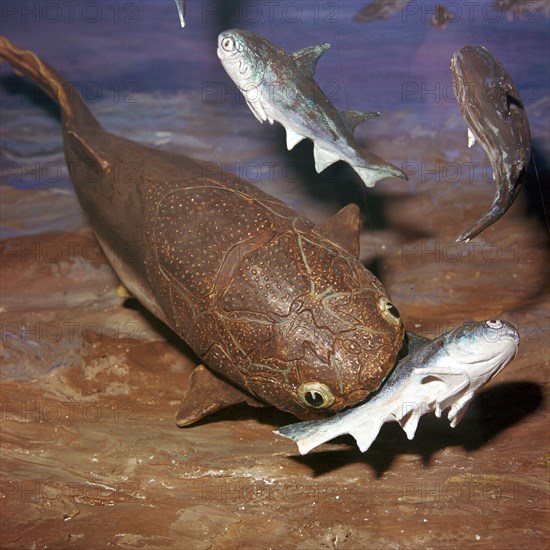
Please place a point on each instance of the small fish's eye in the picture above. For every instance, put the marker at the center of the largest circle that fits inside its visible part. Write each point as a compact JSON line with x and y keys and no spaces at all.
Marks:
{"x":389,"y":311}
{"x":228,"y":44}
{"x":494,"y":323}
{"x":315,"y":395}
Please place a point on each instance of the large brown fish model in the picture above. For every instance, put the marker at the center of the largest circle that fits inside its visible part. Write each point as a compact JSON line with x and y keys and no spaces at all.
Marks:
{"x":280,"y":308}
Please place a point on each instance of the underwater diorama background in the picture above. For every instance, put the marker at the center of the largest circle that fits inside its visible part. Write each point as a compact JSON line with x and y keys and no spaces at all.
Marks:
{"x":91,"y":382}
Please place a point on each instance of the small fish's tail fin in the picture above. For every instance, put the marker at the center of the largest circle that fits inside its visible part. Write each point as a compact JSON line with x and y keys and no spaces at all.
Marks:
{"x":310,"y":434}
{"x":28,"y":64}
{"x":489,"y":218}
{"x":375,"y":169}
{"x":509,"y":183}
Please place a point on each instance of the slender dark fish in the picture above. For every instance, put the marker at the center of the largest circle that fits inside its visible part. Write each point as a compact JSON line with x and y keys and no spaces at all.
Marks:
{"x":491,"y":105}
{"x":524,"y":10}
{"x":381,"y":9}
{"x":445,"y":372}
{"x":280,"y":87}
{"x":441,"y":17}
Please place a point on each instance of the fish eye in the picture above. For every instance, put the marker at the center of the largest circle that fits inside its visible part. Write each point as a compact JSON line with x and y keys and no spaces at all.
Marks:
{"x":228,"y":44}
{"x":389,"y":311}
{"x":315,"y":395}
{"x":494,"y":323}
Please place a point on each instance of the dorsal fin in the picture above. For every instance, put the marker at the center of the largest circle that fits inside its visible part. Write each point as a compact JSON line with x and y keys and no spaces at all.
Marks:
{"x":354,"y":118}
{"x":306,"y":58}
{"x":343,"y":228}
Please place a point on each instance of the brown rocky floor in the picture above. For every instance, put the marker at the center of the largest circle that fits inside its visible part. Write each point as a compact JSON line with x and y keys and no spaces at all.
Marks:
{"x":91,"y":456}
{"x":90,"y":384}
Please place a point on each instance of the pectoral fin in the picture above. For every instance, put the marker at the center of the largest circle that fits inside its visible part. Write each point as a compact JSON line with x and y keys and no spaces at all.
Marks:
{"x":257,"y":110}
{"x":208,"y":393}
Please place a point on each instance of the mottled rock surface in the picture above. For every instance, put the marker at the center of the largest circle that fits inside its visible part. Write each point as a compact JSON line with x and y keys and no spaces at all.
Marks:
{"x":90,"y":382}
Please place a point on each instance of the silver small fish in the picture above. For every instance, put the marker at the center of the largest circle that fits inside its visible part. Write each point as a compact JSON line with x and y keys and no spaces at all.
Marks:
{"x":280,"y":87}
{"x":181,"y":11}
{"x":445,"y":372}
{"x":491,"y":105}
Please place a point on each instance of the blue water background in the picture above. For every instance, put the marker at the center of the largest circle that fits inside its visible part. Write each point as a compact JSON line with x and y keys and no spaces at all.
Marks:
{"x":115,"y":51}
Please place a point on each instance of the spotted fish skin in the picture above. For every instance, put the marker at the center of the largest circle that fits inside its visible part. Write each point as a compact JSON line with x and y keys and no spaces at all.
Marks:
{"x":280,"y":87}
{"x":262,"y":298}
{"x":269,"y":300}
{"x":492,"y":107}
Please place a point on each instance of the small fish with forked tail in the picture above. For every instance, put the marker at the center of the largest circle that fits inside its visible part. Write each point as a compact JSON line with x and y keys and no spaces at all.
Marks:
{"x":445,"y":372}
{"x":491,"y":105}
{"x":280,"y":86}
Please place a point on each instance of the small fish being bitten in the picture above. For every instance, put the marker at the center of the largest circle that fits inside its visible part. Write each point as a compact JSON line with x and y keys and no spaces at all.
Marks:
{"x":491,"y":105}
{"x":446,"y":372}
{"x":281,"y":87}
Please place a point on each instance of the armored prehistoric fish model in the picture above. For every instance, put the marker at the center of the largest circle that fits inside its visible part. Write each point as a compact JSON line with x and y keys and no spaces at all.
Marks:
{"x":280,"y":309}
{"x":444,"y":373}
{"x":491,"y":105}
{"x":281,"y":87}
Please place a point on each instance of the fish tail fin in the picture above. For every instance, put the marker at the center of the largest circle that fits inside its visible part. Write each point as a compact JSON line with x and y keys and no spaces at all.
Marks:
{"x":488,"y":219}
{"x":28,"y":64}
{"x":376,"y":169}
{"x":310,"y":434}
{"x":508,"y":186}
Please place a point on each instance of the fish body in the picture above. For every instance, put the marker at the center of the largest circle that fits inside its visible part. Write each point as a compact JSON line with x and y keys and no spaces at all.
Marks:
{"x":445,"y":372}
{"x":441,"y":17}
{"x":491,"y":105}
{"x":280,"y":309}
{"x":383,"y":9}
{"x":280,"y":87}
